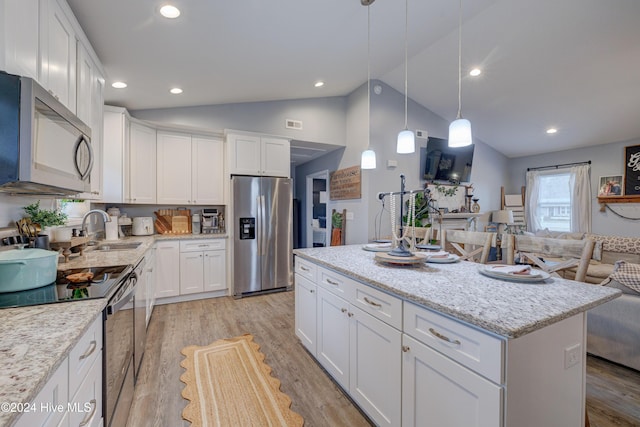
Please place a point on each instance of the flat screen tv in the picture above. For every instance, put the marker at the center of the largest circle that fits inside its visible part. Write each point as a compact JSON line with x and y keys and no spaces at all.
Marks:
{"x":439,"y":162}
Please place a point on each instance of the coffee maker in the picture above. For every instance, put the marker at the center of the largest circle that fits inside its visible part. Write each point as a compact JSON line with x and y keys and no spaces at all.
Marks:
{"x":209,"y":220}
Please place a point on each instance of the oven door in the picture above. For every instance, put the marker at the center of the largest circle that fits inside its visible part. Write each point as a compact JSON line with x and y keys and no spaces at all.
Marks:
{"x":118,"y":347}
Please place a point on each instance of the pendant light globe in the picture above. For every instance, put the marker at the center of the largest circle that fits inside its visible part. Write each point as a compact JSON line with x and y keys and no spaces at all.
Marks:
{"x":406,"y":142}
{"x":460,"y":133}
{"x":368,"y":159}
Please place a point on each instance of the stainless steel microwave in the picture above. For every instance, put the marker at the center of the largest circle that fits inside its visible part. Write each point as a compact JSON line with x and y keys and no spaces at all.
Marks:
{"x":44,"y":148}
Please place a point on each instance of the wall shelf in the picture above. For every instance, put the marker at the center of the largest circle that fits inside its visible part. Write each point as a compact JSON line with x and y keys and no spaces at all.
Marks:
{"x":605,"y":200}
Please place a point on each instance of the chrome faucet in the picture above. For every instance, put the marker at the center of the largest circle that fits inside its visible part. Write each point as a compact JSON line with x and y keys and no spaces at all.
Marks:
{"x":105,"y":216}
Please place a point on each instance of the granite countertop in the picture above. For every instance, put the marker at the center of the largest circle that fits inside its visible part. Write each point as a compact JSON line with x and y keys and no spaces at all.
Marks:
{"x":35,"y":341}
{"x":506,"y":308}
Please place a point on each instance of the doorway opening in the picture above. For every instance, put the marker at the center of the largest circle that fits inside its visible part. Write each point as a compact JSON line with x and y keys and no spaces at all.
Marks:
{"x":317,"y":226}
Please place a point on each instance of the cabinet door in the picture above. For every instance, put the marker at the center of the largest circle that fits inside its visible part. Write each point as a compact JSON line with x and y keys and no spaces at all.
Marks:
{"x":151,"y":282}
{"x":191,"y":273}
{"x":207,"y":174}
{"x":142,"y":164}
{"x":276,"y":156}
{"x":376,"y":368}
{"x":436,"y":391}
{"x":215,"y":277}
{"x":244,"y":155}
{"x":84,"y":83}
{"x":115,"y":145}
{"x":58,"y":54}
{"x":332,"y":349}
{"x":305,"y":320}
{"x":174,"y":168}
{"x":167,"y":269}
{"x":97,"y":123}
{"x":21,"y":29}
{"x":86,"y":405}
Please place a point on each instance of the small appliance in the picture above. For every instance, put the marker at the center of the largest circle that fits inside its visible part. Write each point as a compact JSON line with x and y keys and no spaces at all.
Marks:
{"x":210,"y":221}
{"x":142,"y":226}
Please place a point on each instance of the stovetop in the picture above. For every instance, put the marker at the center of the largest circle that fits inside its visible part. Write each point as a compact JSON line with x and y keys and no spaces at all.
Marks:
{"x":104,"y":282}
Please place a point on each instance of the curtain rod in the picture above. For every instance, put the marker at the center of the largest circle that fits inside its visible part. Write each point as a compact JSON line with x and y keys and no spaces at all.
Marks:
{"x":588,"y":162}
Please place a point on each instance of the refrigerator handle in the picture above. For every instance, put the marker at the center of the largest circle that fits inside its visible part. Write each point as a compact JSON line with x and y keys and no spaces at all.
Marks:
{"x":263,"y":226}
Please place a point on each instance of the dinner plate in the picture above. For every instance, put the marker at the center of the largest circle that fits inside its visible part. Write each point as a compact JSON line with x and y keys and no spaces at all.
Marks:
{"x":536,"y":276}
{"x":450,"y":259}
{"x":428,"y":247}
{"x":377,"y":247}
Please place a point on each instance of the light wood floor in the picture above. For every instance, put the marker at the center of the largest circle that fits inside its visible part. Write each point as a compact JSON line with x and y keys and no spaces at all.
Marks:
{"x":613,"y":392}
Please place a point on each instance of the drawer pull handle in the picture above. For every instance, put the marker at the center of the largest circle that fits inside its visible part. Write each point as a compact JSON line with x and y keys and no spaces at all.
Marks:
{"x":89,"y":416}
{"x":443,"y":337}
{"x":331,"y":282}
{"x":406,"y":348}
{"x":303,"y":268}
{"x":344,"y":310}
{"x":90,"y":351}
{"x":373,"y":303}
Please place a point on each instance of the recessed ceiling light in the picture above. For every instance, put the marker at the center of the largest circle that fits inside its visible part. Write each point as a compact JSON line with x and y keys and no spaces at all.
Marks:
{"x":169,"y":11}
{"x":319,"y":84}
{"x":552,"y":130}
{"x":119,"y":85}
{"x":176,"y":90}
{"x":475,"y":72}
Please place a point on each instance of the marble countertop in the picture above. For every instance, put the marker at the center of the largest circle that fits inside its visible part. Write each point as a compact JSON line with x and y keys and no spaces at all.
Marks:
{"x":35,"y":340}
{"x":506,"y":308}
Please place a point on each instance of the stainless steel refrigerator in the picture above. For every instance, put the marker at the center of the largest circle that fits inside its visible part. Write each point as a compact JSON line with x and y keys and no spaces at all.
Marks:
{"x":262,"y":234}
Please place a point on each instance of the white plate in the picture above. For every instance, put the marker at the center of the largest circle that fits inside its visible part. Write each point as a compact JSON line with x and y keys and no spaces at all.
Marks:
{"x":452,"y":258}
{"x":378,"y":247}
{"x":535,"y":276}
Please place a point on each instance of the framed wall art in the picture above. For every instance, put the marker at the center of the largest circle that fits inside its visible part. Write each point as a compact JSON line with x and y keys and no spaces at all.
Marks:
{"x":610,"y":185}
{"x":632,"y":170}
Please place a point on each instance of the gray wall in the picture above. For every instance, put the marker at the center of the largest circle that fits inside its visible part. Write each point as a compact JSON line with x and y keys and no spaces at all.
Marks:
{"x":606,"y":160}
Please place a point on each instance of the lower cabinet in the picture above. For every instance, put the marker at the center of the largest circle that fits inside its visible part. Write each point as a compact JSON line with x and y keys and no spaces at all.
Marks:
{"x":73,"y":394}
{"x":305,"y":316}
{"x":202,"y":266}
{"x":167,"y":277}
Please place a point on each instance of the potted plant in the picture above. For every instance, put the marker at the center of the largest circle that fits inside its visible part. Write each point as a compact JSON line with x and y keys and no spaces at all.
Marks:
{"x":336,"y":225}
{"x":45,"y":218}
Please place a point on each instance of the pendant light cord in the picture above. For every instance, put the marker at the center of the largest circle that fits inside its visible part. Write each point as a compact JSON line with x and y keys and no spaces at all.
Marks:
{"x":459,"y":61}
{"x":368,"y":75}
{"x":406,"y":38}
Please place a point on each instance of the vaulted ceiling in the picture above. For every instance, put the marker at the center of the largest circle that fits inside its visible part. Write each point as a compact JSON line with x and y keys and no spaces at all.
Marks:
{"x":569,"y":64}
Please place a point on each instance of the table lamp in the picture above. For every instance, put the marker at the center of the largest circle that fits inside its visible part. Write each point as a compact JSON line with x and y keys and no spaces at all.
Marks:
{"x":502,"y":217}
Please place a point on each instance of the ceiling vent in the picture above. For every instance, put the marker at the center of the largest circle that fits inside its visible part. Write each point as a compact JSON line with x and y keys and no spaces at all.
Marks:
{"x":293,"y":124}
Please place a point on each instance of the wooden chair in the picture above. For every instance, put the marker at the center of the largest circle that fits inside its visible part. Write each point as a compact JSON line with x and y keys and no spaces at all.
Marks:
{"x":551,"y":255}
{"x":469,"y":244}
{"x":338,"y":233}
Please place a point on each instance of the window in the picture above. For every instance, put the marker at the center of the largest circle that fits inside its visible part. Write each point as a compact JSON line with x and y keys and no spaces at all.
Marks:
{"x":554,"y":201}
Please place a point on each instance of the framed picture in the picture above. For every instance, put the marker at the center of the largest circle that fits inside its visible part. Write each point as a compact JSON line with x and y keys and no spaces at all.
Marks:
{"x":610,"y":185}
{"x":632,"y":170}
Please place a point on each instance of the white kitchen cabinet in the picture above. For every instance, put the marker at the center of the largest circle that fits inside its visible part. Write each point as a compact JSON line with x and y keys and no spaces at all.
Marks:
{"x":258,"y":155}
{"x":150,"y":272}
{"x":437,"y":391}
{"x":58,"y":53}
{"x":140,"y":165}
{"x":305,"y":312}
{"x":333,"y":336}
{"x":202,"y":266}
{"x":167,"y":268}
{"x":20,"y":25}
{"x":77,"y":382}
{"x":190,"y":169}
{"x":115,"y":142}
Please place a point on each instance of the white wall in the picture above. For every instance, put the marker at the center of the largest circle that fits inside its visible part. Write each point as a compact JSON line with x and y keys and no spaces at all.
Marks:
{"x":606,"y":160}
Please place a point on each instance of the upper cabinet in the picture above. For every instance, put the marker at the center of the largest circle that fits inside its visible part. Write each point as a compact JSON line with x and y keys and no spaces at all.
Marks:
{"x":190,"y":169}
{"x":115,"y":140}
{"x":141,"y":167}
{"x":258,"y":155}
{"x":58,"y":53}
{"x":21,"y":45}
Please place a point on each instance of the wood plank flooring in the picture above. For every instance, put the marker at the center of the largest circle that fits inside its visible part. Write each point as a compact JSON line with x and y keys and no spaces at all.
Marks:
{"x":613,"y":392}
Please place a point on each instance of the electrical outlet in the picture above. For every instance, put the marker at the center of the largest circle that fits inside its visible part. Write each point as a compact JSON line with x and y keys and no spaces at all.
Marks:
{"x":572,"y":355}
{"x":350,"y":216}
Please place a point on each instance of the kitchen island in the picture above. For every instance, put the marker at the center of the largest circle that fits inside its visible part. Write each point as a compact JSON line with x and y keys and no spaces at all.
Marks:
{"x":455,"y":346}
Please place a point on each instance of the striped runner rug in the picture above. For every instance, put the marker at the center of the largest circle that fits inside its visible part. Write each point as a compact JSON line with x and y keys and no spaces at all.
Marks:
{"x":228,"y":384}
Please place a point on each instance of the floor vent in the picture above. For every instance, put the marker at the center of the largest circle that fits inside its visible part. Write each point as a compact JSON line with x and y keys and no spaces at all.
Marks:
{"x":293,"y":124}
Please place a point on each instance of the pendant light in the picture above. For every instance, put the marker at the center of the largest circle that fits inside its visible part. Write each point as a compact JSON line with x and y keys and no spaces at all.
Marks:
{"x":460,"y":129}
{"x":406,"y":138}
{"x":368,"y":158}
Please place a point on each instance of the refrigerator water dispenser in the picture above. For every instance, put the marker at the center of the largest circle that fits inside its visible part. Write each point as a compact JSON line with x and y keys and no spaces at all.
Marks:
{"x":247,"y":228}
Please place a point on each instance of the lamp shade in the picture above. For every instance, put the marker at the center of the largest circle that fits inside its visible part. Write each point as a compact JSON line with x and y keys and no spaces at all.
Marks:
{"x":368,"y":159}
{"x":460,"y":133}
{"x":406,"y":142}
{"x":502,"y":217}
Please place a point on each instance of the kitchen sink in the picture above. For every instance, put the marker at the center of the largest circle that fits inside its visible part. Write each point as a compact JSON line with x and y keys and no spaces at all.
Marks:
{"x":107,"y":247}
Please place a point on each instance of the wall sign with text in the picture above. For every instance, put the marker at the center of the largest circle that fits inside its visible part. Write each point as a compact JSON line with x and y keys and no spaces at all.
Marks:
{"x":632,"y":170}
{"x":345,"y":184}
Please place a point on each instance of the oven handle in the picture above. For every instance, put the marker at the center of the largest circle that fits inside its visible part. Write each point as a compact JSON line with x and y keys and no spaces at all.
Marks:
{"x":116,"y":305}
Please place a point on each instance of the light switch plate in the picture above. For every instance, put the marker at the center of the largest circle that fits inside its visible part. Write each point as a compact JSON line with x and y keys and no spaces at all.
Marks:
{"x":349,"y":216}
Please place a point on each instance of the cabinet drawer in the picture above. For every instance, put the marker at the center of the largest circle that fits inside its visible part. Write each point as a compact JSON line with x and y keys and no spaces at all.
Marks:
{"x":379,"y":304}
{"x":86,"y":405}
{"x":306,"y":269}
{"x":478,"y":351}
{"x":83,"y":355}
{"x":201,"y":245}
{"x":336,"y":283}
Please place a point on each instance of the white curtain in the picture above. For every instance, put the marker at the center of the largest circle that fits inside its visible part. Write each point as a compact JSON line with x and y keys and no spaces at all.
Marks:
{"x":533,"y":187}
{"x":580,"y":199}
